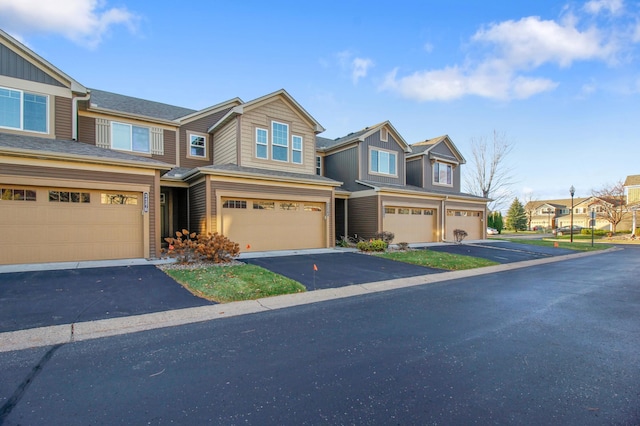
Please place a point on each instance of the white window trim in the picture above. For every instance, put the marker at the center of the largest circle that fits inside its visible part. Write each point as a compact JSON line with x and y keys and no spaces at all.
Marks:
{"x":293,"y":149}
{"x":131,"y":126}
{"x":21,"y":128}
{"x":319,"y":165}
{"x":273,"y":144}
{"x":206,"y":145}
{"x":433,"y":174}
{"x":266,"y":144}
{"x":378,"y":173}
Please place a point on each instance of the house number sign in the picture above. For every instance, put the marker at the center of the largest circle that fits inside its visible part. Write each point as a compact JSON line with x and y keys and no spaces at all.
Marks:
{"x":145,"y":202}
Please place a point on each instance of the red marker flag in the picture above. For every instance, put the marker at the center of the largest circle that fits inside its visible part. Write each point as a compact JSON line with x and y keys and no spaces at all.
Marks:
{"x":315,"y":268}
{"x":248,"y":246}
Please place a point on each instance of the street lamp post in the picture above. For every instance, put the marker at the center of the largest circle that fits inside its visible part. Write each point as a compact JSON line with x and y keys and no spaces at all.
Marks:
{"x":572,"y":191}
{"x":548,"y":212}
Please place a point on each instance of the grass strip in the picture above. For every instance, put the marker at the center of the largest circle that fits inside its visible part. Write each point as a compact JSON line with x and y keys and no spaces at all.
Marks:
{"x":436,"y":259}
{"x":224,"y":284}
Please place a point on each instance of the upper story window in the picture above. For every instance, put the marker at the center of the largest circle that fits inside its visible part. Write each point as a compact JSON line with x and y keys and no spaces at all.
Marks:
{"x":383,"y":162}
{"x":281,"y":145}
{"x":128,"y":137}
{"x":296,"y":146}
{"x":319,"y":165}
{"x":197,"y":145}
{"x":23,"y":110}
{"x":262,"y":141}
{"x":442,"y":173}
{"x":280,"y":141}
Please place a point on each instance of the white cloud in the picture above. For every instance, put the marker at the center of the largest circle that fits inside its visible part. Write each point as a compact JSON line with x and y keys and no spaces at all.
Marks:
{"x":514,"y":49}
{"x":83,"y":21}
{"x":359,"y":68}
{"x":594,"y":7}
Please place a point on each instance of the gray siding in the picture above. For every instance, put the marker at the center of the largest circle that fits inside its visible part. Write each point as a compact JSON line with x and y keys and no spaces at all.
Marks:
{"x":343,"y":167}
{"x":390,"y":145}
{"x":197,"y":208}
{"x":14,"y":65}
{"x":428,"y":170}
{"x":414,"y":171}
{"x":363,"y":216}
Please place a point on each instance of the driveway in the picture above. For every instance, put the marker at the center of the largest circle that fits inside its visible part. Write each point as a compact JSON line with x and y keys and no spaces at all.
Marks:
{"x":339,"y":269}
{"x":502,"y":251}
{"x":39,"y":299}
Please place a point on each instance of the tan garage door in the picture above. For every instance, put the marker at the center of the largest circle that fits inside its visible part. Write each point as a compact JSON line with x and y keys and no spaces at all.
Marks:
{"x":467,"y":220}
{"x":410,"y":224}
{"x":61,"y":225}
{"x":273,"y":225}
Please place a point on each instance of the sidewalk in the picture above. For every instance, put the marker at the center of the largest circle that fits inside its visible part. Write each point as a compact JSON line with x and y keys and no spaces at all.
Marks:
{"x":72,"y":332}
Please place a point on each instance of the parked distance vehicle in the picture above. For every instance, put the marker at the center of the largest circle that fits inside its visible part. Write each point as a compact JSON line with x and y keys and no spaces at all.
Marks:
{"x":492,"y":231}
{"x":564,"y":230}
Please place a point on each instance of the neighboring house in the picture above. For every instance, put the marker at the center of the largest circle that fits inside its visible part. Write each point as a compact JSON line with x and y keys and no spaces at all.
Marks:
{"x":389,"y":185}
{"x":550,"y":214}
{"x":632,"y":186}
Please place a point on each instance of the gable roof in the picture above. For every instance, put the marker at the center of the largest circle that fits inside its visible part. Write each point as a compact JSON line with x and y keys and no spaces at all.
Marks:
{"x":632,"y":180}
{"x":284,"y":95}
{"x":325,"y":144}
{"x":427,"y":146}
{"x":42,"y":63}
{"x":30,"y":146}
{"x":114,"y":102}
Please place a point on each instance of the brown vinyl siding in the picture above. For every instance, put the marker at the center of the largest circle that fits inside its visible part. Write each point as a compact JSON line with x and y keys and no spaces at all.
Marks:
{"x":262,"y":116}
{"x":405,"y":201}
{"x":364,"y":216}
{"x":390,"y":145}
{"x":87,"y":130}
{"x":93,"y":176}
{"x":225,"y":144}
{"x":63,"y":118}
{"x":414,"y":172}
{"x":197,"y":208}
{"x":343,"y":167}
{"x":200,"y":125}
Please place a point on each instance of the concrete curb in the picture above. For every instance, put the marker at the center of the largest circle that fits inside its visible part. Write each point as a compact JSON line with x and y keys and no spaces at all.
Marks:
{"x":68,"y":333}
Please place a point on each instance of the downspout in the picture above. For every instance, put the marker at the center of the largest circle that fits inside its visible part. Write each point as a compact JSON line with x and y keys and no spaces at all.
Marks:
{"x":74,"y":114}
{"x":444,"y":219}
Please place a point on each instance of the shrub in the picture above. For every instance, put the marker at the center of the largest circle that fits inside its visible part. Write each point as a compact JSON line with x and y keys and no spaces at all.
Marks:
{"x":403,"y":246}
{"x":189,"y":247}
{"x":373,"y":245}
{"x":385,"y":236}
{"x":459,"y":235}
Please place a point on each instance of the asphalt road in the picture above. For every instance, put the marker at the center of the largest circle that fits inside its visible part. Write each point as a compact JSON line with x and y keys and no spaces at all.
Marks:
{"x":552,"y":344}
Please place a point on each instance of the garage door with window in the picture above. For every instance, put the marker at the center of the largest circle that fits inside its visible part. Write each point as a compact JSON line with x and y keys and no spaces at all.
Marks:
{"x":410,"y":224}
{"x":467,"y":220}
{"x":259,"y":225}
{"x":63,"y":224}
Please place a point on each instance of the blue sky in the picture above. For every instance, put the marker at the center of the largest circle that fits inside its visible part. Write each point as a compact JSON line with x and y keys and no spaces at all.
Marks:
{"x":559,"y":79}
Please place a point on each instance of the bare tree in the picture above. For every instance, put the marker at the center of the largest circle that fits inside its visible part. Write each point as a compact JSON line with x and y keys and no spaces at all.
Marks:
{"x":530,"y":207}
{"x":489,"y":175}
{"x":610,"y":203}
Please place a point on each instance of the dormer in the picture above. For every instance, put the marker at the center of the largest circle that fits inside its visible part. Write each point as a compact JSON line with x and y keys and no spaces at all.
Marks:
{"x":435,"y":164}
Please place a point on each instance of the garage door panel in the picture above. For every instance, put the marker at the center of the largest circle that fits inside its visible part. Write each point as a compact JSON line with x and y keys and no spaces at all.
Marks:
{"x":410,"y":224}
{"x":54,"y":231}
{"x":467,"y":220}
{"x":272,"y":227}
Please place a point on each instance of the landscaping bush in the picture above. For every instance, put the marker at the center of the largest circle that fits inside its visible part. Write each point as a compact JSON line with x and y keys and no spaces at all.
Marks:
{"x":372,"y":245}
{"x":385,"y":236}
{"x":598,"y":232}
{"x":189,"y":247}
{"x":403,"y":246}
{"x":459,"y":235}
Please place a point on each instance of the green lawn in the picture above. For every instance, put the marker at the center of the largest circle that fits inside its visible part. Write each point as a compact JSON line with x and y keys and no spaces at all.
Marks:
{"x":233,"y":283}
{"x":579,"y":244}
{"x":436,"y":259}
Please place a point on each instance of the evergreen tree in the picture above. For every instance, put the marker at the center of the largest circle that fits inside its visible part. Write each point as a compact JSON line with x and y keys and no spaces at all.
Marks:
{"x":498,"y":222}
{"x":517,"y":217}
